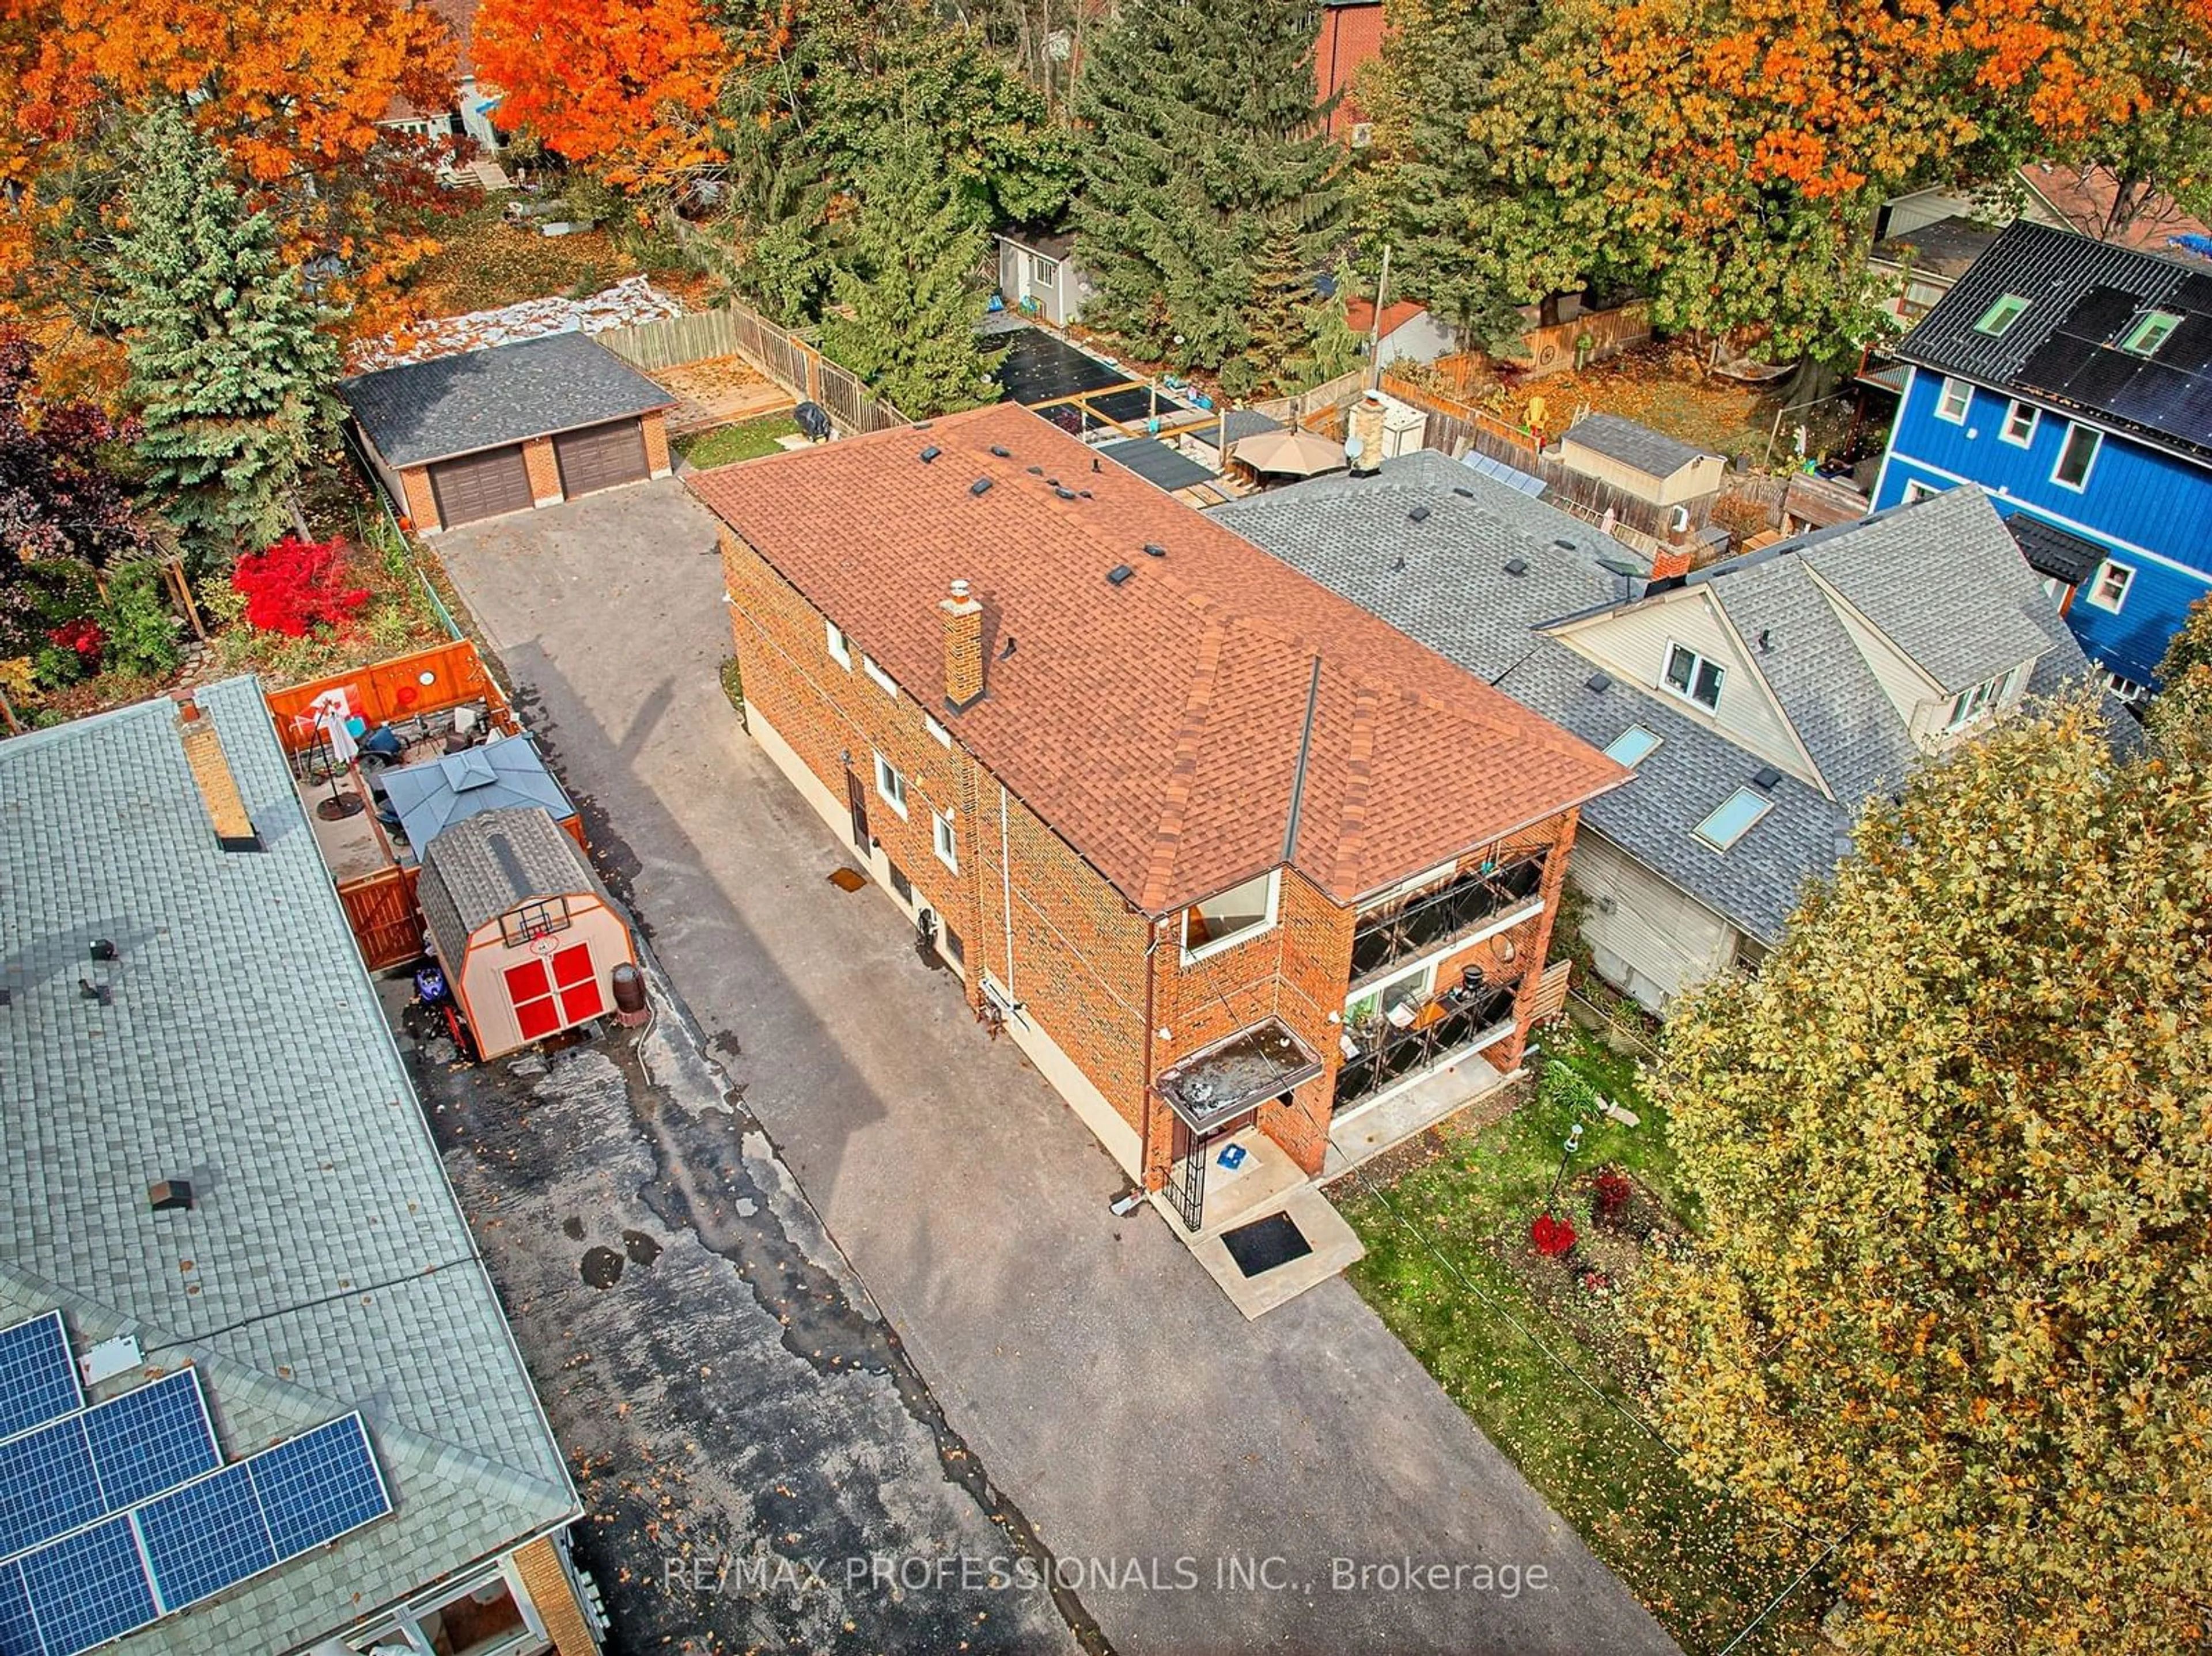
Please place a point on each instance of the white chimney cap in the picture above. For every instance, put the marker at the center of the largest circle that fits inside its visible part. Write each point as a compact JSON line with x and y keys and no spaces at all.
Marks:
{"x":959,"y":588}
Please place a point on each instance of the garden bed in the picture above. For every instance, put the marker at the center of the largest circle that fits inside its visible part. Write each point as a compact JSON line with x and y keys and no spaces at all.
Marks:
{"x":748,"y":440}
{"x":1451,"y":1268}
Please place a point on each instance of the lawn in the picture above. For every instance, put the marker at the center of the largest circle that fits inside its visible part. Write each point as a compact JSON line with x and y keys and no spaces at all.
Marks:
{"x":1448,"y":1268}
{"x":484,"y":262}
{"x":745,"y":441}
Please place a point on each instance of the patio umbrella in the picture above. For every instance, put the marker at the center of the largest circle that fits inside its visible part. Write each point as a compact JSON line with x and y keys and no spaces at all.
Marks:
{"x":1289,"y":453}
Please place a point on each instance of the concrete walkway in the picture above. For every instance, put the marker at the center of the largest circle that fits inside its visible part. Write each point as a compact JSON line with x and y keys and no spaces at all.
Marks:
{"x":1196,"y":1476}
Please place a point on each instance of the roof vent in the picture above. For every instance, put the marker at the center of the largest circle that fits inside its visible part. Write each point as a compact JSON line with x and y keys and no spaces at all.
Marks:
{"x":1463,"y":491}
{"x":931,"y":453}
{"x":7,"y":996}
{"x":1152,"y":551}
{"x":1565,"y":544}
{"x":1002,"y":450}
{"x":103,"y":949}
{"x":1516,"y":565}
{"x":87,"y":990}
{"x":1420,"y":514}
{"x":1398,"y":565}
{"x":1064,"y":493}
{"x":170,"y":1195}
{"x":1766,"y":640}
{"x":1082,"y":494}
{"x":1767,"y":779}
{"x":1598,"y":683}
{"x":1036,"y":471}
{"x":981,"y":486}
{"x":1008,"y":648}
{"x":1118,"y":573}
{"x":1095,"y":465}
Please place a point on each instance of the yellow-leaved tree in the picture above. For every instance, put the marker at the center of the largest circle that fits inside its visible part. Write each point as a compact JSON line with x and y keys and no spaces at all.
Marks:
{"x":1955,"y":1144}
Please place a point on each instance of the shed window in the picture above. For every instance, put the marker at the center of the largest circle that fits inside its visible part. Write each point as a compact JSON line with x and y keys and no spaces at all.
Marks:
{"x":2019,"y":424}
{"x":2111,"y":591}
{"x":840,"y":647}
{"x":1631,"y":746}
{"x":538,"y":919}
{"x":1042,"y":270}
{"x":1690,"y":675}
{"x":2152,"y":330}
{"x":1997,"y":320}
{"x":1237,"y":912}
{"x":1956,"y":398}
{"x":2078,"y":454}
{"x":1733,"y":818}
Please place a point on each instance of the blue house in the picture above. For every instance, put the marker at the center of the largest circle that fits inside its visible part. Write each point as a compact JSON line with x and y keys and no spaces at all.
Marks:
{"x":2072,"y":379}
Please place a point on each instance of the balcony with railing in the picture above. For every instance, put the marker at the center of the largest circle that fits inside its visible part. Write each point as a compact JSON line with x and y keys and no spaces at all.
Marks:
{"x":1424,"y":923}
{"x":1476,"y":1015}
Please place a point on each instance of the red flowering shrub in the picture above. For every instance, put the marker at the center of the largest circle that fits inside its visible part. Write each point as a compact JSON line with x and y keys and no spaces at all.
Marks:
{"x":1613,"y":1190}
{"x":295,"y":585}
{"x":84,"y":637}
{"x":1551,"y":1237}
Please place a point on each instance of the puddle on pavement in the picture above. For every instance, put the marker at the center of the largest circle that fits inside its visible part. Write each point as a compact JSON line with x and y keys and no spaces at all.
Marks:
{"x":642,"y":1248}
{"x":601,"y":1267}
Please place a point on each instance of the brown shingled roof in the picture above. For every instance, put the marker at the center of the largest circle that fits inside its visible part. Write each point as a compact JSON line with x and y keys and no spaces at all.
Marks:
{"x":1156,"y":725}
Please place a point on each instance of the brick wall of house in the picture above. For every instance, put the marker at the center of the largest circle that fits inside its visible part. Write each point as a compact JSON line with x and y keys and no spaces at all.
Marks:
{"x":655,"y":426}
{"x":422,"y":502}
{"x":545,"y":468}
{"x":555,"y":1598}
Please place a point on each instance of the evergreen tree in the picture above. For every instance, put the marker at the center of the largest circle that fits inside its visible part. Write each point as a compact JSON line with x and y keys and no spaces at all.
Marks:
{"x":1204,"y":141}
{"x":908,"y":293}
{"x":228,"y":372}
{"x":1300,"y":336}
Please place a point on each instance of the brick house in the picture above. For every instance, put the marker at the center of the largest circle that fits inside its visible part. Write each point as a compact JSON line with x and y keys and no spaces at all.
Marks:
{"x":1217,"y":849}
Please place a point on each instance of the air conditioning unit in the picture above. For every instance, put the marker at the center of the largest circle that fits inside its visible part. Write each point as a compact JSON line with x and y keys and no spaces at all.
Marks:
{"x":1405,"y":427}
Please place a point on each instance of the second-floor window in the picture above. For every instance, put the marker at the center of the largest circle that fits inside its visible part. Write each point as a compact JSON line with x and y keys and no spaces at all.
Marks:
{"x":1465,"y":904}
{"x":948,"y":840}
{"x":1968,"y":706}
{"x":2076,"y":456}
{"x":891,"y":785}
{"x":1955,"y":398}
{"x":840,"y":646}
{"x":2019,"y":424}
{"x":1691,"y":676}
{"x":885,"y":682}
{"x":2111,"y":591}
{"x":1242,"y":911}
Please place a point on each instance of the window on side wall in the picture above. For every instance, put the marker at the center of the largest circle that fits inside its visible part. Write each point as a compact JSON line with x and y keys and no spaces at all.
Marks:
{"x":1953,"y":400}
{"x":2019,"y":424}
{"x":1243,"y":910}
{"x":1042,"y":270}
{"x":840,"y":646}
{"x":1984,"y":698}
{"x":2126,"y":688}
{"x":1916,"y":490}
{"x":947,"y":840}
{"x":2076,"y":456}
{"x":2111,"y":591}
{"x":891,"y":785}
{"x":885,"y":682}
{"x":1691,"y":676}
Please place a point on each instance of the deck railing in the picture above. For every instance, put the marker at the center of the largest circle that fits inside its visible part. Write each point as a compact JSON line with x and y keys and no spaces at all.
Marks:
{"x":1421,"y":923}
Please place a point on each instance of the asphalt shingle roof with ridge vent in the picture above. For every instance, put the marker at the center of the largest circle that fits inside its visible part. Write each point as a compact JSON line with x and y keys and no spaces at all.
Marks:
{"x":326,"y":1266}
{"x":1155,"y":725}
{"x":1653,"y":454}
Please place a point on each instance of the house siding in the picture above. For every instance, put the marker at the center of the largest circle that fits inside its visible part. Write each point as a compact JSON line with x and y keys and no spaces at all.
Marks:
{"x":2138,"y":500}
{"x":1658,"y":942}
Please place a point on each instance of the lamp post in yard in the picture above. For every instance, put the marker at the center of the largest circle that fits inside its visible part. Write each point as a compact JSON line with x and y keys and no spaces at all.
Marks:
{"x":1573,"y":1143}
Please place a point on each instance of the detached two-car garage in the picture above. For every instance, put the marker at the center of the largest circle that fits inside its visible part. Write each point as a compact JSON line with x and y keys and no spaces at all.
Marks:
{"x":459,"y":439}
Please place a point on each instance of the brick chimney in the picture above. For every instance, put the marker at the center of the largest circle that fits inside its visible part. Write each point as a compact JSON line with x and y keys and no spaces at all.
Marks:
{"x":1673,"y":563}
{"x":1366,"y":427}
{"x":964,"y":648}
{"x":218,"y":785}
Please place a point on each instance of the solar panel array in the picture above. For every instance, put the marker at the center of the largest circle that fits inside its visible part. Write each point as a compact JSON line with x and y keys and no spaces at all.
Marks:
{"x":116,"y":1515}
{"x":2169,"y":391}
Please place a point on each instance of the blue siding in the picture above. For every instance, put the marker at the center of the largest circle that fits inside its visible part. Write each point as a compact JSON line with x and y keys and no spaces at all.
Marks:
{"x":2135,"y":497}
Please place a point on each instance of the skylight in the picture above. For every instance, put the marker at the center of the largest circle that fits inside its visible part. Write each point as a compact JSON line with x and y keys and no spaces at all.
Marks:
{"x":2152,"y":330}
{"x":1733,"y":819}
{"x":2000,"y":317}
{"x":1631,"y":746}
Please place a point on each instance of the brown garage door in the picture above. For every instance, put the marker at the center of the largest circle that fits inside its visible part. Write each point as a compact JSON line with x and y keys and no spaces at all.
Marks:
{"x":600,"y":456}
{"x":481,"y":485}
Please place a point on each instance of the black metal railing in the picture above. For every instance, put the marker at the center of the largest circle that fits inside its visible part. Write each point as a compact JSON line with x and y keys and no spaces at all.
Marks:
{"x":1400,"y":1052}
{"x":1421,"y":923}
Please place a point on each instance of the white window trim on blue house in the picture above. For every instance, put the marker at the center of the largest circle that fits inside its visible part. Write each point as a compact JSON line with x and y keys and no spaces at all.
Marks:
{"x":2089,"y":467}
{"x":1964,"y":390}
{"x":2122,"y":579}
{"x":2026,"y":438}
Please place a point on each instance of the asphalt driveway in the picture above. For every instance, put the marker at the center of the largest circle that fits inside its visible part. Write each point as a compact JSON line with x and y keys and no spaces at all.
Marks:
{"x":1203,"y":1484}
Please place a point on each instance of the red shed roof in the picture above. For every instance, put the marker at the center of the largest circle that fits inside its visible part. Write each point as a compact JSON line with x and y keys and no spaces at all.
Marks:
{"x":1157,"y":724}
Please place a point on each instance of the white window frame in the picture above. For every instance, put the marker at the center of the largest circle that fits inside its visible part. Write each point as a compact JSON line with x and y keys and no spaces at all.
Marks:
{"x":1965,"y":391}
{"x":840,"y":646}
{"x":2012,"y":421}
{"x":2162,"y":323}
{"x":2126,"y":688}
{"x":891,"y":785}
{"x":2066,"y":445}
{"x":2125,"y":581}
{"x":1982,"y":700}
{"x":1214,"y":946}
{"x":1697,"y":664}
{"x":1044,"y":272}
{"x":1425,"y":969}
{"x":938,"y":733}
{"x":1917,"y":491}
{"x":2019,"y":308}
{"x":1724,"y":847}
{"x":1652,"y":741}
{"x":945,"y":839}
{"x":885,"y":682}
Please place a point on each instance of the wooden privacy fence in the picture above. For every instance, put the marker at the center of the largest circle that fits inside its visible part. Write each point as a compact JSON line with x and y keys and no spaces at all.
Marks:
{"x":423,"y":681}
{"x":733,"y":330}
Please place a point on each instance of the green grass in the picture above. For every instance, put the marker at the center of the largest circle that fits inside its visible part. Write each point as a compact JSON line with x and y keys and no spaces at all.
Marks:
{"x":724,"y":444}
{"x":1703,"y":1565}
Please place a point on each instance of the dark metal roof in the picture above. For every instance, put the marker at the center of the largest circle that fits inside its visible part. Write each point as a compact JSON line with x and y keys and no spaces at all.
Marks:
{"x":2082,"y":296}
{"x":1653,"y":454}
{"x":449,"y":405}
{"x":1054,"y":244}
{"x":1156,"y":463}
{"x":2051,"y":551}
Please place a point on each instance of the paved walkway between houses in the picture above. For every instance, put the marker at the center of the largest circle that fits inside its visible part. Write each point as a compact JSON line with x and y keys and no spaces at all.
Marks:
{"x":1197,"y":1478}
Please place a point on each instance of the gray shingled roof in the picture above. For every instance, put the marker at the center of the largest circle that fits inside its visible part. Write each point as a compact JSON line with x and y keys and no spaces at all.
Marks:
{"x":491,"y":864}
{"x":1452,"y":593}
{"x":1943,"y":573}
{"x":1946,"y":248}
{"x":1653,"y":454}
{"x":330,"y":1268}
{"x":424,"y":411}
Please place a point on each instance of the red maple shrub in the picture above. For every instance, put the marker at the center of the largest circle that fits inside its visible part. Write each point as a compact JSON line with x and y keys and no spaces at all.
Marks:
{"x":1613,"y":1190}
{"x":1551,"y":1237}
{"x":83,"y":636}
{"x":295,"y":585}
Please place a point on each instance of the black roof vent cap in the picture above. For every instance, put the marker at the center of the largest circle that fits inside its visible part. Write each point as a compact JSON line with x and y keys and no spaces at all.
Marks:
{"x":1008,"y":648}
{"x":1064,"y":493}
{"x":1036,"y":471}
{"x":931,"y":453}
{"x":1002,"y":450}
{"x":1565,"y":544}
{"x":1598,"y":683}
{"x":87,"y":990}
{"x":981,"y":486}
{"x":170,"y":1195}
{"x":1082,"y":494}
{"x":1153,"y":551}
{"x":1463,"y":491}
{"x":1398,"y":565}
{"x":1516,"y":565}
{"x":1420,"y":514}
{"x":103,"y":949}
{"x":1118,"y":573}
{"x":1767,"y":779}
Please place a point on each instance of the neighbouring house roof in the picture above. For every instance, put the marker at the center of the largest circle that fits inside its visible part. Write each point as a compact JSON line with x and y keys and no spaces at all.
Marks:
{"x":1653,"y":454}
{"x":495,"y":775}
{"x":491,"y":864}
{"x":459,"y":18}
{"x":2052,"y":551}
{"x":2084,"y":197}
{"x":1359,"y":315}
{"x":325,"y":1266}
{"x":2083,"y":296}
{"x":1444,"y":581}
{"x":1945,"y":250}
{"x":1213,"y":715}
{"x":1059,"y":245}
{"x":424,"y":411}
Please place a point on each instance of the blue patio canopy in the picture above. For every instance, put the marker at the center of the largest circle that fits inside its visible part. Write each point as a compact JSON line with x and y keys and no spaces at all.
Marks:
{"x":431,"y":796}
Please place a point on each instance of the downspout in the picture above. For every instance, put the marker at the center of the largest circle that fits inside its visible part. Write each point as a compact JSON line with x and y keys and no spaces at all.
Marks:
{"x":1145,"y":1097}
{"x":1006,"y":896}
